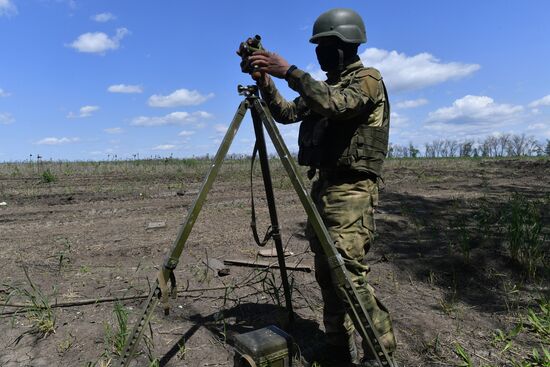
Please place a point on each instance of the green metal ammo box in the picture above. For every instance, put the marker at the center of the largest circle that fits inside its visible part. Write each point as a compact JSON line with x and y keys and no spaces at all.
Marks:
{"x":266,"y":347}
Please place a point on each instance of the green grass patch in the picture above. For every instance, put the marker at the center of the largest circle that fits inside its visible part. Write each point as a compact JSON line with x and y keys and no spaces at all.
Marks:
{"x":48,"y":176}
{"x":38,"y":311}
{"x":539,"y":320}
{"x":524,"y":232}
{"x":115,"y":337}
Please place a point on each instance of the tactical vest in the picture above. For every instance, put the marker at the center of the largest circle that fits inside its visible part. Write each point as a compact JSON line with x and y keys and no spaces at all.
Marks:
{"x":353,"y":144}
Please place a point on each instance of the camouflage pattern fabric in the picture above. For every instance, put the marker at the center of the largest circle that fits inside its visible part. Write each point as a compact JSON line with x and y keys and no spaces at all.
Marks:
{"x":341,"y":97}
{"x":345,"y":198}
{"x":345,"y":120}
{"x":347,"y":207}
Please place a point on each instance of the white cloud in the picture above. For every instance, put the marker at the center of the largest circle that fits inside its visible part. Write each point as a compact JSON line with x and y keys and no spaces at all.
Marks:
{"x":538,"y":126}
{"x":180,"y":97}
{"x":114,"y":130}
{"x":56,"y":141}
{"x":164,"y":147}
{"x":290,"y":132}
{"x":186,"y":133}
{"x":475,"y":109}
{"x":412,"y":103}
{"x":473,"y":115}
{"x":399,"y":124}
{"x":7,"y":8}
{"x":103,"y":17}
{"x":540,"y":129}
{"x":6,"y":118}
{"x":398,"y":120}
{"x":544,"y":101}
{"x":316,"y":73}
{"x":174,"y":118}
{"x":202,"y":114}
{"x":88,"y":110}
{"x":3,"y":93}
{"x":99,"y":42}
{"x":221,"y":129}
{"x":404,"y":72}
{"x":124,"y":88}
{"x":85,"y":111}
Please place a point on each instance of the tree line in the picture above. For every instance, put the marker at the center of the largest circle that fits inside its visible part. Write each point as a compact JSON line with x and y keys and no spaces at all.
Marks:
{"x":504,"y":145}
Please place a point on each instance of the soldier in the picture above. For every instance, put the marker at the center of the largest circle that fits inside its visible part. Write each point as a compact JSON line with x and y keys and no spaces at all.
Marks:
{"x":344,"y":137}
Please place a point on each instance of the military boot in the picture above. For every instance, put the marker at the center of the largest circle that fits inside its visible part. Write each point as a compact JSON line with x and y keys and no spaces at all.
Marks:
{"x":337,"y":355}
{"x":371,"y":363}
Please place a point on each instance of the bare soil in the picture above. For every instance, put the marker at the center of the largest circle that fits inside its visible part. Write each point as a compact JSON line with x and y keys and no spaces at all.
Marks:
{"x":447,"y":281}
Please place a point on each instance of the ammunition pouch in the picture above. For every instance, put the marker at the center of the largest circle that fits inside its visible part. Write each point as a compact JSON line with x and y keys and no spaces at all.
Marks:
{"x":345,"y":145}
{"x":311,"y":141}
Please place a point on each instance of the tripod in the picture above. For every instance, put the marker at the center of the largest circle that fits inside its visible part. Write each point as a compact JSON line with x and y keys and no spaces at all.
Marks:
{"x":261,"y":119}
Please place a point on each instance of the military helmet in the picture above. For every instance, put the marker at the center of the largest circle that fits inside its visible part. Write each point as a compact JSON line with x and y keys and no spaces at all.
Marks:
{"x":345,"y":24}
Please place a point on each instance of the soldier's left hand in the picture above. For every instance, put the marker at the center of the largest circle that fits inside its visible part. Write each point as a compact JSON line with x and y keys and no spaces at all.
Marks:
{"x":270,"y":62}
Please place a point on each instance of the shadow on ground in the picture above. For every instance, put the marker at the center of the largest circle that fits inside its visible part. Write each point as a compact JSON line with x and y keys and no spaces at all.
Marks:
{"x":246,"y":317}
{"x":440,"y":241}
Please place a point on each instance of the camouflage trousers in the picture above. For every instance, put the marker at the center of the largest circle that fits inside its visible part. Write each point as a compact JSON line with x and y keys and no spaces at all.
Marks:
{"x":346,"y":205}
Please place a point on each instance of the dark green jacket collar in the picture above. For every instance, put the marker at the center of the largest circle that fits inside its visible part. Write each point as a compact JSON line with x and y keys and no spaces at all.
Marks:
{"x":334,"y":77}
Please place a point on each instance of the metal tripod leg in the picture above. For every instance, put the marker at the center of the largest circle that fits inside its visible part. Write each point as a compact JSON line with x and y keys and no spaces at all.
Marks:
{"x":355,"y":307}
{"x":356,"y":310}
{"x":171,"y":261}
{"x":262,"y":151}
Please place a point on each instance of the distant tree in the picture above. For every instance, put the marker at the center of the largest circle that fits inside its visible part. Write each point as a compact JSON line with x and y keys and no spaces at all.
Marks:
{"x":535,"y":148}
{"x":390,"y":151}
{"x":453,"y":148}
{"x":516,"y":147}
{"x":465,"y":149}
{"x":445,"y":148}
{"x":403,"y":151}
{"x":503,"y":142}
{"x":413,"y":152}
{"x":539,"y":150}
{"x":430,"y":151}
{"x":484,"y":148}
{"x":438,"y":147}
{"x":492,"y":144}
{"x":520,"y":145}
{"x":399,"y":151}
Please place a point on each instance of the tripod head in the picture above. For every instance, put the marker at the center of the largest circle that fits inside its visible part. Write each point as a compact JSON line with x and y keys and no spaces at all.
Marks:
{"x":248,"y":90}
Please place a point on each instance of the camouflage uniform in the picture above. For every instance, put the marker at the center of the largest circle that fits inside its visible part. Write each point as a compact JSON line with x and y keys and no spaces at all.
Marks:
{"x":346,"y":190}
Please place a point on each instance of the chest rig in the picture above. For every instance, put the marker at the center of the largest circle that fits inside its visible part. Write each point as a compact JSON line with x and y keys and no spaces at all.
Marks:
{"x":357,"y":144}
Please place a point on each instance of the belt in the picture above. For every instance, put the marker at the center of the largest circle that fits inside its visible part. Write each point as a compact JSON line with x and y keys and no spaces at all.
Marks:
{"x":347,"y":174}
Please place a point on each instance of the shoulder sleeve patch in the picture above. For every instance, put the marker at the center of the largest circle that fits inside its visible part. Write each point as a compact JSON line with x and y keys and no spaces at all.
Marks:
{"x":370,"y":79}
{"x":371,"y":72}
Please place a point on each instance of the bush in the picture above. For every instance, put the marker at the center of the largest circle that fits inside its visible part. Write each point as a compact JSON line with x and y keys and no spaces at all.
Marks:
{"x":48,"y":176}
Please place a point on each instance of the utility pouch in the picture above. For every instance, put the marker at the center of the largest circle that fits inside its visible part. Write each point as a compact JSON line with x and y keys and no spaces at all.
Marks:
{"x":312,"y":142}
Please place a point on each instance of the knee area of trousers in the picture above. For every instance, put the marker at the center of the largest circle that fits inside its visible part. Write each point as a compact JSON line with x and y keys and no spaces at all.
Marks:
{"x":387,"y":340}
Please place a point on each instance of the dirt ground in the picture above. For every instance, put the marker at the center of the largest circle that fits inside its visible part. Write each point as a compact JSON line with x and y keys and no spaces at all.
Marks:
{"x":443,"y":271}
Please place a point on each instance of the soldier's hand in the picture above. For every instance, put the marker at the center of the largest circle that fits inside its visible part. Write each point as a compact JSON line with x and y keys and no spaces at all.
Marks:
{"x":260,"y":77}
{"x":270,"y":63}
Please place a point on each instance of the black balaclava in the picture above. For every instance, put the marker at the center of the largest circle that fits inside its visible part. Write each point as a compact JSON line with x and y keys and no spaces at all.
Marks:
{"x":335,"y":57}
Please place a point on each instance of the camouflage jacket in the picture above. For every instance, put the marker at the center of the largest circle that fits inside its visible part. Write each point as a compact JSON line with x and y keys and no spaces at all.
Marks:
{"x":345,"y":120}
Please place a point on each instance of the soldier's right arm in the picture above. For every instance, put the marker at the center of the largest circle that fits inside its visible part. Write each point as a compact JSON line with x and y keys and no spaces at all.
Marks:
{"x":283,"y":111}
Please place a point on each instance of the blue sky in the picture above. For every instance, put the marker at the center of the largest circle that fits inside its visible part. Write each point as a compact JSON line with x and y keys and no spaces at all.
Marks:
{"x":88,"y":80}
